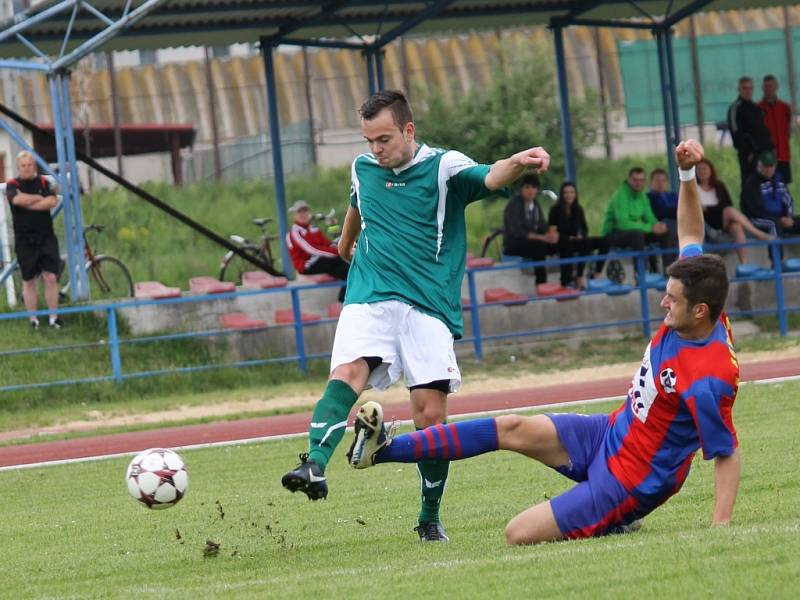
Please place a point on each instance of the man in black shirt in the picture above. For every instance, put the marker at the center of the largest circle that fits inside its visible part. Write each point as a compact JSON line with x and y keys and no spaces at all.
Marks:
{"x":748,"y":129}
{"x":35,"y":243}
{"x":526,"y":231}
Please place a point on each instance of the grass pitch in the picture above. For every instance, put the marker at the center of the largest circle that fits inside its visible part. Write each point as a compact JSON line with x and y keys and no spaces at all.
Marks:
{"x":73,"y":532}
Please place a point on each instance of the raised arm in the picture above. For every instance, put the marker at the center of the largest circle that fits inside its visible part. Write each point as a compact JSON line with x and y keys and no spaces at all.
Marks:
{"x":727,"y":470}
{"x":350,"y":230}
{"x":691,"y":229}
{"x":506,"y":171}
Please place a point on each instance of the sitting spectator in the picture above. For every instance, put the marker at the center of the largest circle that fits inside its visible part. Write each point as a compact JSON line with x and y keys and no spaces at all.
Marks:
{"x":663,"y":202}
{"x":525,"y":229}
{"x":767,"y":201}
{"x":311,"y":251}
{"x":719,"y":212}
{"x":573,"y":236}
{"x":629,"y":221}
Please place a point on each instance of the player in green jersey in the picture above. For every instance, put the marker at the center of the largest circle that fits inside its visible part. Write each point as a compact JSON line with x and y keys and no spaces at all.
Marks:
{"x":402,"y":310}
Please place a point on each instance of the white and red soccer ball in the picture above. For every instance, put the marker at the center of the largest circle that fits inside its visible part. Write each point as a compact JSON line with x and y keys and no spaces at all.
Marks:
{"x":157,"y":478}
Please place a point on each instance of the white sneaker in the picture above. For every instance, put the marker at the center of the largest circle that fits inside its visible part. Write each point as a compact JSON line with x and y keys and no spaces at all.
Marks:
{"x":370,"y":436}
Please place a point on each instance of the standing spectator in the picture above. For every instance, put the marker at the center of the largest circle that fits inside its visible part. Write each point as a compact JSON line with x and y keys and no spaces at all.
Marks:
{"x":568,"y":218}
{"x":748,"y":129}
{"x":778,"y":118}
{"x":629,"y":221}
{"x":720,"y":214}
{"x":525,"y":228}
{"x":311,"y":251}
{"x":35,"y":243}
{"x":766,"y":199}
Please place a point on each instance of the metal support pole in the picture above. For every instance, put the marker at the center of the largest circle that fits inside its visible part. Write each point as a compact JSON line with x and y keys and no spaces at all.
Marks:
{"x":112,"y":79}
{"x":780,"y":299}
{"x":665,"y":101}
{"x":404,"y":68}
{"x":696,"y":82}
{"x":563,"y":99}
{"x":475,"y":314}
{"x":299,"y":339}
{"x":212,"y":114}
{"x":787,"y":37}
{"x":73,"y":254}
{"x":81,"y":283}
{"x":369,"y":56}
{"x":673,"y":88}
{"x":309,"y":105}
{"x":601,"y":82}
{"x":277,"y":156}
{"x":379,"y":69}
{"x":645,"y":303}
{"x":113,"y":344}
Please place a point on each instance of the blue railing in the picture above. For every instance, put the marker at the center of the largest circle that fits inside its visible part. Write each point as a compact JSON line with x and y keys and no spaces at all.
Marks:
{"x":115,"y":342}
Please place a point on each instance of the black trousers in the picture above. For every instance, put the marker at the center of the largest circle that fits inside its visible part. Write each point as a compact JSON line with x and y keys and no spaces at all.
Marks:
{"x":747,"y":165}
{"x":569,"y":247}
{"x":530,"y":250}
{"x":636,"y":240}
{"x":331,"y":265}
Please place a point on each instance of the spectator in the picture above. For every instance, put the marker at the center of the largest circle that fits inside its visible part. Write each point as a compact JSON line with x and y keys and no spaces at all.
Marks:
{"x":748,"y":129}
{"x":568,"y":218}
{"x":525,"y":228}
{"x":663,"y":202}
{"x":719,"y":212}
{"x":778,"y":118}
{"x":766,"y":199}
{"x":311,"y":251}
{"x":35,"y":242}
{"x":629,"y":221}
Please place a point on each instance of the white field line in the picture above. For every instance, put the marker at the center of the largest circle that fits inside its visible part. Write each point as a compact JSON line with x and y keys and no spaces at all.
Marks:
{"x":286,"y":436}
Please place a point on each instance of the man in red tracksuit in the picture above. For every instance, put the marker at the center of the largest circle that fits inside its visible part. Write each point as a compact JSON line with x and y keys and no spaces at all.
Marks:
{"x":778,"y":117}
{"x":311,"y":251}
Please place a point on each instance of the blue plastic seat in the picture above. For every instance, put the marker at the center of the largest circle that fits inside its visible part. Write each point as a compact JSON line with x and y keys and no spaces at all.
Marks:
{"x":618,"y":289}
{"x":507,"y":258}
{"x":746,"y":270}
{"x":595,"y":285}
{"x":792,"y":265}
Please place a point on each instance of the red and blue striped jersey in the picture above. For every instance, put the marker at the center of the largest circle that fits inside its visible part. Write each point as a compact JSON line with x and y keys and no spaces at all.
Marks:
{"x":680,"y":400}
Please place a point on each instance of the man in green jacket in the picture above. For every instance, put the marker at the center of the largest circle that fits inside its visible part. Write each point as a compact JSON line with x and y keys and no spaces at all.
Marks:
{"x":629,"y":221}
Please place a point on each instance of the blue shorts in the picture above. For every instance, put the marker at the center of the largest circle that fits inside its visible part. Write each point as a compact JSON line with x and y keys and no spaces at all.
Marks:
{"x":599,"y":503}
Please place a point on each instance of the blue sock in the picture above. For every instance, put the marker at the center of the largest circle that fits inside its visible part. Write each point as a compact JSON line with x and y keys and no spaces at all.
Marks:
{"x":453,"y":441}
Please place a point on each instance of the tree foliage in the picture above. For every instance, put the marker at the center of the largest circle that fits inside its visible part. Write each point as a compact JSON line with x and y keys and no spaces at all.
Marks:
{"x":517,"y":110}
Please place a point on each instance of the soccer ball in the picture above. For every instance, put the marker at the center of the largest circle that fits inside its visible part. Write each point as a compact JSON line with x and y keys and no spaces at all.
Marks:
{"x":157,"y":478}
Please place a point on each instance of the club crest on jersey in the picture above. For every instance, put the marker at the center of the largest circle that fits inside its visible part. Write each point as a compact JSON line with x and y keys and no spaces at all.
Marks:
{"x":668,"y":380}
{"x":395,"y":184}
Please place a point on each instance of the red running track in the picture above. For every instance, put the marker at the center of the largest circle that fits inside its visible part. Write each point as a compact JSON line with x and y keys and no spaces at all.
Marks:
{"x":227,"y":431}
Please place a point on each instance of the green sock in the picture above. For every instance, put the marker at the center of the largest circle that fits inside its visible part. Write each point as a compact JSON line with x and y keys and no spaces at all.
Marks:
{"x":433,"y":477}
{"x":329,"y":421}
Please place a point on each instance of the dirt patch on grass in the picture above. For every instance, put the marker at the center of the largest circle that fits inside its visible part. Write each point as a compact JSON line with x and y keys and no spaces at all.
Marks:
{"x":300,"y":401}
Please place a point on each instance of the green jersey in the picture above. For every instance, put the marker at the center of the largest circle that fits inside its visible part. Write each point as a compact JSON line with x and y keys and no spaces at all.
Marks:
{"x":413,"y":242}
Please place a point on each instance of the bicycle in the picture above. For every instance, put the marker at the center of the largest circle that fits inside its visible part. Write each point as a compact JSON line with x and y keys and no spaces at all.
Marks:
{"x":108,"y":276}
{"x":233,"y":265}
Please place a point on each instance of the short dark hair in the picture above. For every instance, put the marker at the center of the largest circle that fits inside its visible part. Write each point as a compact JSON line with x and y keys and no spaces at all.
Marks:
{"x":704,"y":280}
{"x":745,"y":79}
{"x":769,"y":77}
{"x":657,"y":171}
{"x":635,"y":170}
{"x":530,"y":179}
{"x":394,"y":100}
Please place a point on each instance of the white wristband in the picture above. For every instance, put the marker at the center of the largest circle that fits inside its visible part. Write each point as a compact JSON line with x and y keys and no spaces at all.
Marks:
{"x":687,"y":175}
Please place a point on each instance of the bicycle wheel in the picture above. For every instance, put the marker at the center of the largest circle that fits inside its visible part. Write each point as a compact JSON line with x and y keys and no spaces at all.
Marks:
{"x":234,"y":265}
{"x":110,"y":278}
{"x":492,"y":244}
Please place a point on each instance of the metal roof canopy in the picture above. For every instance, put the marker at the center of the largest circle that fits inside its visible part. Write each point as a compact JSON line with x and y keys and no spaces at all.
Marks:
{"x":61,"y":32}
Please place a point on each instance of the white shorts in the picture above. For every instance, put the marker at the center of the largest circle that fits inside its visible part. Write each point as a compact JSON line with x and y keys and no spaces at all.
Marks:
{"x":408,"y":341}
